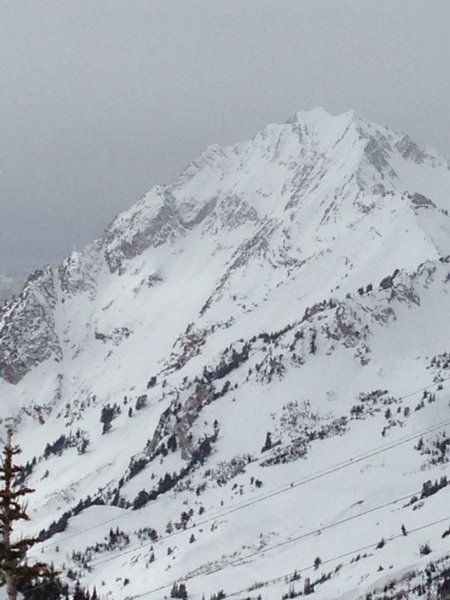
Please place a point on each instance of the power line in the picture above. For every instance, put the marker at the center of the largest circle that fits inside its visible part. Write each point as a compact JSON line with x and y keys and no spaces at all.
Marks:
{"x":276,"y":491}
{"x":272,"y":494}
{"x":346,"y":554}
{"x":319,"y":474}
{"x":304,"y":535}
{"x":282,"y":577}
{"x":236,"y":562}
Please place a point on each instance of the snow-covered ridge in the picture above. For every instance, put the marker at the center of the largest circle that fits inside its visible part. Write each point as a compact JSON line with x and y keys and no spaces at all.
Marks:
{"x":278,"y":308}
{"x":312,"y":160}
{"x":338,"y":189}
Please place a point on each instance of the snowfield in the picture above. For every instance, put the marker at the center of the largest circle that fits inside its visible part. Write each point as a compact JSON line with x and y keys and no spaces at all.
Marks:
{"x":243,"y":385}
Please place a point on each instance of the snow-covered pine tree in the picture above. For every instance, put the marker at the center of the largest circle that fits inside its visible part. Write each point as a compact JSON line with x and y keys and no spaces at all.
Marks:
{"x":15,"y":572}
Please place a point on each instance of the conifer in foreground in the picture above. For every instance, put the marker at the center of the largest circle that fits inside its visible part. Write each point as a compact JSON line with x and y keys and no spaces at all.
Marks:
{"x":15,"y":572}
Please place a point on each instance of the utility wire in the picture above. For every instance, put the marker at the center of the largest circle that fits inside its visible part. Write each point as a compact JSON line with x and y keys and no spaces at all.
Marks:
{"x":285,"y":487}
{"x":272,"y":493}
{"x":346,"y":554}
{"x":282,"y":577}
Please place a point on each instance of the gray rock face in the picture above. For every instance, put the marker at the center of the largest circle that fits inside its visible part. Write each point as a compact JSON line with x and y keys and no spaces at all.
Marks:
{"x":79,"y":272}
{"x":148,"y":224}
{"x":27,"y":328}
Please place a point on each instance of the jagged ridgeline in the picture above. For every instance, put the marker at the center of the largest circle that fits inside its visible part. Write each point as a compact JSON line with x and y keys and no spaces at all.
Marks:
{"x":243,"y":385}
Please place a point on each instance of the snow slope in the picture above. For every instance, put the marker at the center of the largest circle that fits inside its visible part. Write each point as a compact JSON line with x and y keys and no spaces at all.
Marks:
{"x":247,"y":371}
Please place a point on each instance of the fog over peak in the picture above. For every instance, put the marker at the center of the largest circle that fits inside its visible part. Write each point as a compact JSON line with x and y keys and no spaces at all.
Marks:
{"x":100,"y":101}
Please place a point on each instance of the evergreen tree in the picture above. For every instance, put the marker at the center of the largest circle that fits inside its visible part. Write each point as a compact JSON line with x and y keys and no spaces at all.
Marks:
{"x":50,"y":588}
{"x":15,"y":572}
{"x":78,"y":592}
{"x":179,"y":591}
{"x":107,"y":415}
{"x":268,"y":442}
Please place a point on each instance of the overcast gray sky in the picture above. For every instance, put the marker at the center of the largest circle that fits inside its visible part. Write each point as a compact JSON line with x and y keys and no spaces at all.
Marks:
{"x":101,"y":99}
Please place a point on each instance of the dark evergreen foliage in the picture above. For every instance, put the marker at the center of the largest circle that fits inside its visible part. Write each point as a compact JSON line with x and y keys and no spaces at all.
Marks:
{"x":141,"y":402}
{"x":424,"y":549}
{"x":219,"y":596}
{"x":15,"y":572}
{"x":429,"y":488}
{"x":79,"y":440}
{"x":47,"y":589}
{"x":179,"y":591}
{"x":267,"y":443}
{"x":107,"y":415}
{"x":61,"y":524}
{"x":152,"y":382}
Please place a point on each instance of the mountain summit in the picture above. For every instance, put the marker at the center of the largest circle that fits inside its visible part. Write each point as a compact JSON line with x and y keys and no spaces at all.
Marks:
{"x":256,"y":353}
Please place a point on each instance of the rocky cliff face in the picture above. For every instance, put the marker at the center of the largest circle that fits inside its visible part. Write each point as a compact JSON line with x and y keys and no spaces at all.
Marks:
{"x":280,"y":308}
{"x":28,"y":327}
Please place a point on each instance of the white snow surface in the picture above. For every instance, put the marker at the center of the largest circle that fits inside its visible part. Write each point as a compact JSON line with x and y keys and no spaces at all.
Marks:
{"x":296,"y":284}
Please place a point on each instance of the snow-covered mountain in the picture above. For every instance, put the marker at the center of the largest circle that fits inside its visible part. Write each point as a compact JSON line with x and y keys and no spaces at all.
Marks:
{"x":243,"y":385}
